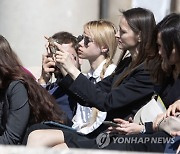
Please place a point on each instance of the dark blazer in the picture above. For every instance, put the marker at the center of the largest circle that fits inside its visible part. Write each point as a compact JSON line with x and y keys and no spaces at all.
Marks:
{"x":14,"y":114}
{"x":122,"y":102}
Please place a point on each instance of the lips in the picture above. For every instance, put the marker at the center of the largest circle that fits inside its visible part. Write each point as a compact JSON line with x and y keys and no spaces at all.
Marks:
{"x":80,"y":52}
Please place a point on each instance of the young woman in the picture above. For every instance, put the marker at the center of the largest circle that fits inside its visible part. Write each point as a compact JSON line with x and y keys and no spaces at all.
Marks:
{"x":165,"y":68}
{"x":22,"y":101}
{"x":120,"y":94}
{"x":98,"y":46}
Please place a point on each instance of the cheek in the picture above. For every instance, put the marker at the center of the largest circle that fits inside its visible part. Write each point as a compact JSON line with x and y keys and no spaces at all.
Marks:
{"x":83,"y":52}
{"x":129,"y":39}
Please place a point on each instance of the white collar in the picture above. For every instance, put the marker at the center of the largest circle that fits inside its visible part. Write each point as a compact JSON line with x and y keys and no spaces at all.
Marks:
{"x":96,"y":73}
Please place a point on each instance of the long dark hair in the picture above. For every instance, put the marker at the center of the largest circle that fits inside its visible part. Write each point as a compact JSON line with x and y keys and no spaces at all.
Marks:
{"x":141,"y":21}
{"x":169,"y":28}
{"x":42,"y":104}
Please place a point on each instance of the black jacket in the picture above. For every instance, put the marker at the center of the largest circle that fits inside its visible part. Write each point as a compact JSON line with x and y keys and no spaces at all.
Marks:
{"x":122,"y":102}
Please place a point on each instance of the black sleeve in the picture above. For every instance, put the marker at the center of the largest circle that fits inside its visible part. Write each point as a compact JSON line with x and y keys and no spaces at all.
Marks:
{"x":135,"y":88}
{"x":18,"y":115}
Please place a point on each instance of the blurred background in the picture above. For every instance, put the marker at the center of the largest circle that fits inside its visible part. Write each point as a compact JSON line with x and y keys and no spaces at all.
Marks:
{"x":24,"y":23}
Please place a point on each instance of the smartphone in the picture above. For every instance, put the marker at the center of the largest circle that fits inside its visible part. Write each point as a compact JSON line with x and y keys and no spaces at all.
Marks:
{"x":110,"y":123}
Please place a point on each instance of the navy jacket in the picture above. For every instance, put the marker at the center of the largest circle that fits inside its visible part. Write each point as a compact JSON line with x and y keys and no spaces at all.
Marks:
{"x":66,"y":103}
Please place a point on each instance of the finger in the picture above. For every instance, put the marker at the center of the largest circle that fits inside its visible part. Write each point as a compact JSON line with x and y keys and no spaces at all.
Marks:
{"x":173,"y":111}
{"x":173,"y":133}
{"x":110,"y":128}
{"x":130,"y":119}
{"x":122,"y":130}
{"x":49,"y":59}
{"x":168,"y":112}
{"x":59,"y":46}
{"x":125,"y":125}
{"x":118,"y":120}
{"x":60,"y":53}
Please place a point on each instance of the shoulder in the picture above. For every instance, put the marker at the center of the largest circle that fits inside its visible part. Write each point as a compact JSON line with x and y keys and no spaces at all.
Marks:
{"x":141,"y":68}
{"x":14,"y":86}
{"x":17,"y":95}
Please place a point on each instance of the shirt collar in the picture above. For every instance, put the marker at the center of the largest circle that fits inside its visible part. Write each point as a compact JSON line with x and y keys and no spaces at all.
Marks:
{"x":96,"y":73}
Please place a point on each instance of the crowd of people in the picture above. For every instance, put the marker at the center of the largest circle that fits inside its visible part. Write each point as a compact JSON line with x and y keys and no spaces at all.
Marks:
{"x":71,"y":112}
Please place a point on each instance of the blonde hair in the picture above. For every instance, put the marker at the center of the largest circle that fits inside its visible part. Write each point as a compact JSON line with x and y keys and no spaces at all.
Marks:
{"x":103,"y":34}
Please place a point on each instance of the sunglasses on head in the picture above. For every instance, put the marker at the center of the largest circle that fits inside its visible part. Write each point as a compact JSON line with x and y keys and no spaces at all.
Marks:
{"x":87,"y":40}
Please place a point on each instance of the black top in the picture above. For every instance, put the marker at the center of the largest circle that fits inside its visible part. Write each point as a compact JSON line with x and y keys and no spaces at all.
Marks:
{"x":122,"y":102}
{"x":18,"y":113}
{"x":170,"y":92}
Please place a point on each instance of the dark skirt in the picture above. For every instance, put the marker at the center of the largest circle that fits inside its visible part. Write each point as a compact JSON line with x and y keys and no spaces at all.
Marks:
{"x":137,"y":142}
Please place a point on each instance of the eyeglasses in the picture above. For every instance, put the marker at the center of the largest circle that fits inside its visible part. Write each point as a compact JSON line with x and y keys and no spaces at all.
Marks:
{"x":87,"y":40}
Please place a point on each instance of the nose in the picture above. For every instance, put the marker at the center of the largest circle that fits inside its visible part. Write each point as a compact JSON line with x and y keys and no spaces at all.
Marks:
{"x":80,"y":44}
{"x":117,"y":35}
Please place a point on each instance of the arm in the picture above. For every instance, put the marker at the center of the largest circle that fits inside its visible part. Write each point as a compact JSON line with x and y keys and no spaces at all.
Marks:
{"x":137,"y":87}
{"x":18,"y":115}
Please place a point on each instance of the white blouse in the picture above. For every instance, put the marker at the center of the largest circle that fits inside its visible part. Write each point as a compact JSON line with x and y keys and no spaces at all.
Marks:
{"x":83,"y":114}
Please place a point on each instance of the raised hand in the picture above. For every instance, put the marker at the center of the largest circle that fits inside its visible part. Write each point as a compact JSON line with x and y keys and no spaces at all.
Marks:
{"x":65,"y":60}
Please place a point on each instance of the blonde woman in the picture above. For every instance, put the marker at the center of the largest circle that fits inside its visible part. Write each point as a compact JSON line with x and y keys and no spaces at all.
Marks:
{"x":98,"y":46}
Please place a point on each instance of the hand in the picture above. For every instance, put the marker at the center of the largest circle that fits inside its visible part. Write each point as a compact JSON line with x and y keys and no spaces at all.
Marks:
{"x":47,"y":69}
{"x":48,"y":64}
{"x":66,"y":61}
{"x":158,"y":119}
{"x":175,"y":107}
{"x":126,"y":127}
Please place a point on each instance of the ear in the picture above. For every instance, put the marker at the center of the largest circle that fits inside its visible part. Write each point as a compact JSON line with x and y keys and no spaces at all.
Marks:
{"x":104,"y":49}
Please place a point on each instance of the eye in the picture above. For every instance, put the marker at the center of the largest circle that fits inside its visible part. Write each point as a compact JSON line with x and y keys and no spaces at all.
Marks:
{"x":122,"y":31}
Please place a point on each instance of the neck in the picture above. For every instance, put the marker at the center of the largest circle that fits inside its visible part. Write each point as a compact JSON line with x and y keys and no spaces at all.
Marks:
{"x":96,"y":62}
{"x":134,"y":54}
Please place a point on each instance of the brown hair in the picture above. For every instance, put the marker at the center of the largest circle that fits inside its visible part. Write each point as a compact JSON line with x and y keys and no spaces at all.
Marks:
{"x":42,"y":104}
{"x":141,"y":21}
{"x":169,"y":28}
